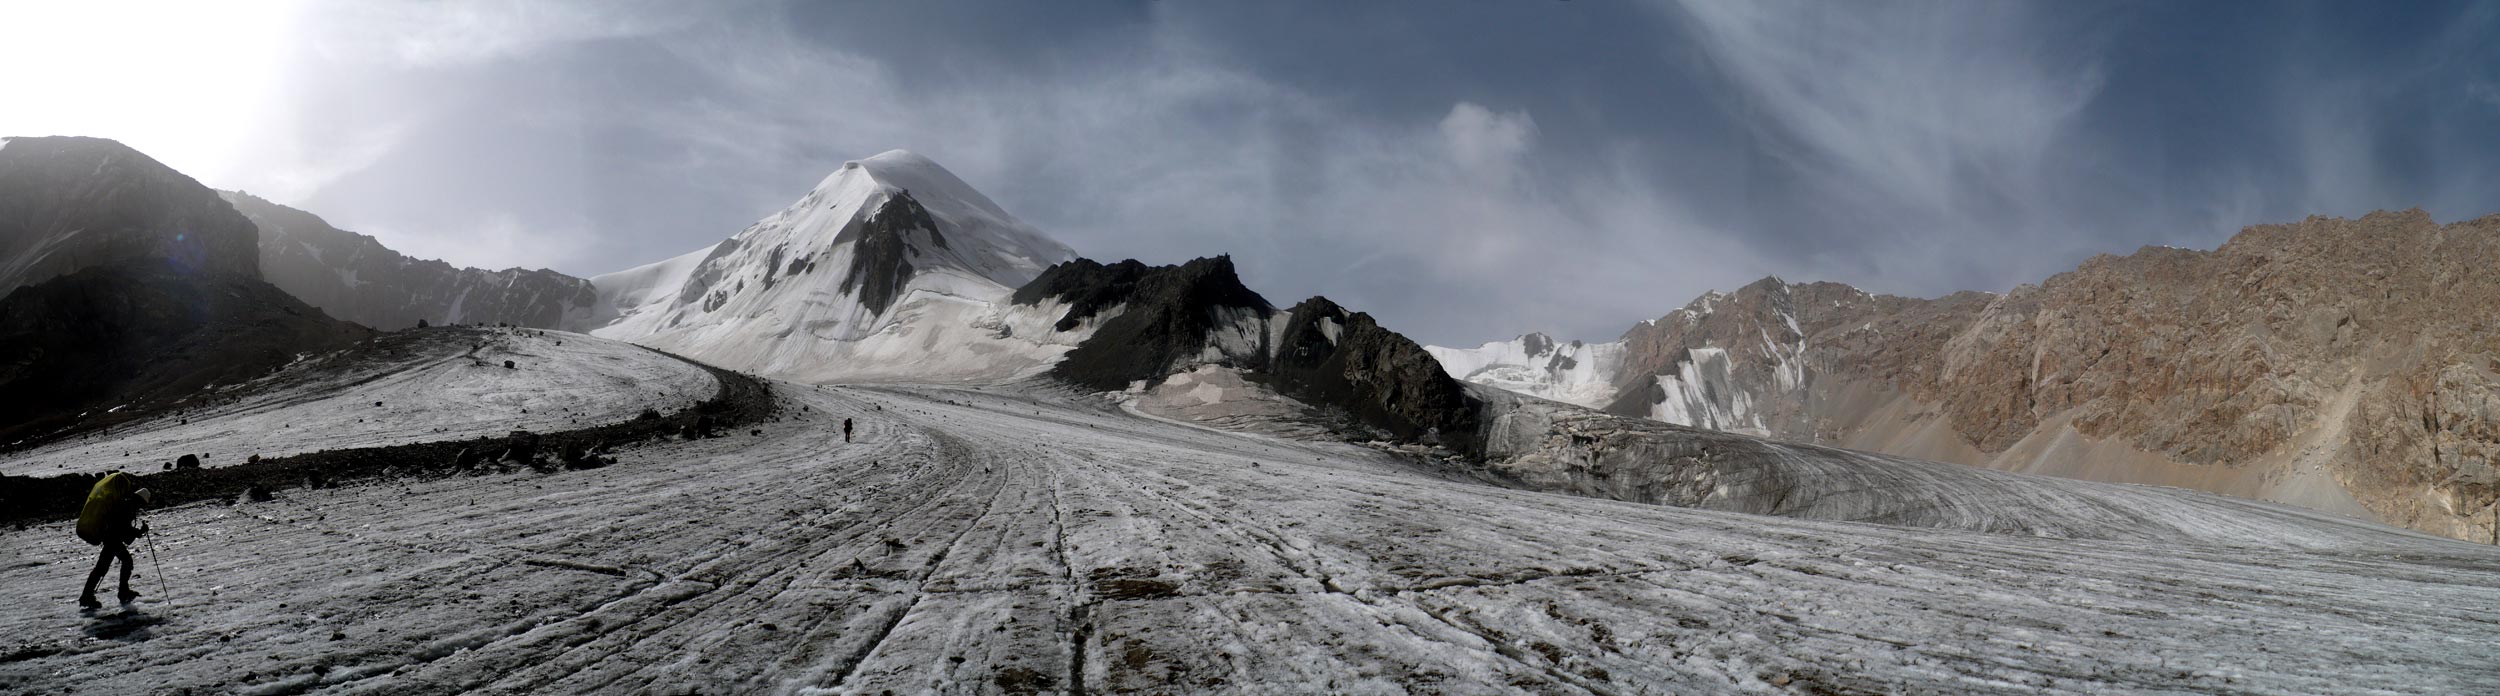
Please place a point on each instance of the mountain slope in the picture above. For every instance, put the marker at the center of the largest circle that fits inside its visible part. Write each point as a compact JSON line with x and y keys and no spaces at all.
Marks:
{"x":2323,"y":363}
{"x":1800,"y":361}
{"x":125,"y":287}
{"x":68,"y":203}
{"x":2347,"y":350}
{"x":353,"y":277}
{"x":141,"y":335}
{"x":891,"y":268}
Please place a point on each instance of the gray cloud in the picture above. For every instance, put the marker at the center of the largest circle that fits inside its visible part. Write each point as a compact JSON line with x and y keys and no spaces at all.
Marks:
{"x":1465,"y":176}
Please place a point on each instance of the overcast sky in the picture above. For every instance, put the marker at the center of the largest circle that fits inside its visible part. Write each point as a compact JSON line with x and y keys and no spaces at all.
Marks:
{"x":1464,"y":170}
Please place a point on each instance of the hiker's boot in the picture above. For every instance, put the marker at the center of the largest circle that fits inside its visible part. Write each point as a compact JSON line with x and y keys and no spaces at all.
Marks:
{"x":128,"y":594}
{"x":88,"y":601}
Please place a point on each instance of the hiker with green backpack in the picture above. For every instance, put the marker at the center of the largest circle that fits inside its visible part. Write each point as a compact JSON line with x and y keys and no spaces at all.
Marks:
{"x":106,"y":521}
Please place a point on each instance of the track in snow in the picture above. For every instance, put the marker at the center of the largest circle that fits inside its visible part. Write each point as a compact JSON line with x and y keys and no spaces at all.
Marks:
{"x":1020,"y":542}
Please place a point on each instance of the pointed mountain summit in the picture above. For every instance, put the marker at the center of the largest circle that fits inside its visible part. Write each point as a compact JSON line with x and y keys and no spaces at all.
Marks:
{"x":891,"y":258}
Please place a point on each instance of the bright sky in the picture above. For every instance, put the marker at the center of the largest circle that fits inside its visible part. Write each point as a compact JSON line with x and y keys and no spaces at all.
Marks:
{"x":189,"y":83}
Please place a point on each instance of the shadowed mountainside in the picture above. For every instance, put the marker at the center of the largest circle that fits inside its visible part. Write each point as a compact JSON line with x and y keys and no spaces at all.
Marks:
{"x":353,"y":277}
{"x":68,"y":203}
{"x":143,"y":335}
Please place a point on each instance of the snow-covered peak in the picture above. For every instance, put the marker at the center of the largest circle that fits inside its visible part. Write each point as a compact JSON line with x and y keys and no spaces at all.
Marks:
{"x":907,"y":170}
{"x":973,"y":233}
{"x":891,"y":255}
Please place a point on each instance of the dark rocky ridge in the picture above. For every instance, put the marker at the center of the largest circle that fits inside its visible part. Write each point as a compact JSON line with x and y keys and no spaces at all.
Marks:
{"x":1170,"y":319}
{"x":1170,"y":311}
{"x":69,"y":203}
{"x":1381,"y":377}
{"x":881,"y":262}
{"x":354,"y":277}
{"x":1086,"y":285}
{"x":143,"y":334}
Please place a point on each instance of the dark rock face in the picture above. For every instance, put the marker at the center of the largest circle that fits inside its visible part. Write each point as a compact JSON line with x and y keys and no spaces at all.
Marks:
{"x":1171,"y":311}
{"x":1327,"y":355}
{"x":523,"y":450}
{"x":353,"y":277}
{"x":73,"y":203}
{"x":1172,"y":318}
{"x":881,"y":264}
{"x":145,"y":333}
{"x":1537,"y":343}
{"x":1086,"y":285}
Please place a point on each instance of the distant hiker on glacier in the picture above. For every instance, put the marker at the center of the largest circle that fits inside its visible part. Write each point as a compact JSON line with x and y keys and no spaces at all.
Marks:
{"x":846,"y":430}
{"x":106,"y":521}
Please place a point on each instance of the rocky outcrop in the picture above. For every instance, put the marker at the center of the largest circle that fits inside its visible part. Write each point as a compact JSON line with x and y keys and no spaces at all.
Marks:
{"x":353,"y":277}
{"x":1168,"y":320}
{"x":70,"y":203}
{"x":1088,"y":287}
{"x":1327,"y":355}
{"x":881,"y":262}
{"x":1171,"y":318}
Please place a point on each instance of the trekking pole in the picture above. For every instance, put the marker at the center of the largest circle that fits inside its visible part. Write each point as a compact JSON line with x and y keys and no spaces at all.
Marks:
{"x":160,"y":572}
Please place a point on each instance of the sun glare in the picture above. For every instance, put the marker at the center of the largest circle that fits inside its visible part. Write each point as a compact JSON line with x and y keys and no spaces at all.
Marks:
{"x":186,"y":82}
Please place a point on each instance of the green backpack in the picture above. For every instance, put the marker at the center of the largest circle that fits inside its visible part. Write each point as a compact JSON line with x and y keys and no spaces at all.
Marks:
{"x":107,"y":510}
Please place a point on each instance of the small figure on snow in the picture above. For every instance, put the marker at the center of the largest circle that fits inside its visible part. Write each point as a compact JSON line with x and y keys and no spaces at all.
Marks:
{"x":106,"y":521}
{"x":846,"y":430}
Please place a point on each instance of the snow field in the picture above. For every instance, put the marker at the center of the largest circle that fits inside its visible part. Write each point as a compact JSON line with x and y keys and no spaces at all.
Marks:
{"x":1585,"y":377}
{"x":431,"y":385}
{"x":1016,"y":541}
